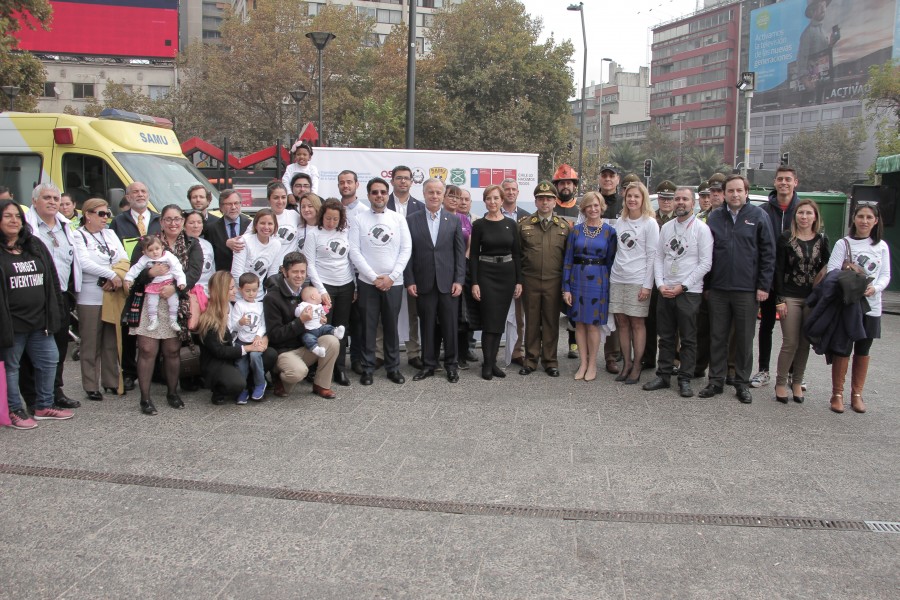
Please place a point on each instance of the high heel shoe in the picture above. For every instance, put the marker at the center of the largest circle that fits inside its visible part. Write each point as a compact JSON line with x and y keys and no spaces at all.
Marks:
{"x":636,"y":378}
{"x":782,"y":399}
{"x":590,"y":377}
{"x":147,"y":407}
{"x":623,"y":374}
{"x":498,"y":372}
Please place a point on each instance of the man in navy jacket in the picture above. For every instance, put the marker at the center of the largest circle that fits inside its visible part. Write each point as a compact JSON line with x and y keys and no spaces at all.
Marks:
{"x":740,"y":278}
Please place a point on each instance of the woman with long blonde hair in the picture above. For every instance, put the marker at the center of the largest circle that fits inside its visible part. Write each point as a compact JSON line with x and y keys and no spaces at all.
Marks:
{"x":217,"y":350}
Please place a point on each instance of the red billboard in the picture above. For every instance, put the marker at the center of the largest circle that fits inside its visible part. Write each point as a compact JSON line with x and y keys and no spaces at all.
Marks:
{"x":132,"y":28}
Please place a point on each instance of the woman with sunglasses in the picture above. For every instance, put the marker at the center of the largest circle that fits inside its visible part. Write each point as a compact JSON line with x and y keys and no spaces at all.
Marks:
{"x":190,"y":255}
{"x":97,"y":250}
{"x":30,"y":306}
{"x":865,"y":248}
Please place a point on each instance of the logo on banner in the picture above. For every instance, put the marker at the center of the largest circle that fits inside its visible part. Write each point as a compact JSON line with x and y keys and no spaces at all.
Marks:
{"x":482,"y":178}
{"x":438,"y":173}
{"x":418,"y":176}
{"x":458,"y":176}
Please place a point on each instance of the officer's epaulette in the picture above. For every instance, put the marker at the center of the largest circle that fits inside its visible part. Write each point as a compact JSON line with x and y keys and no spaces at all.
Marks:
{"x":527,"y":218}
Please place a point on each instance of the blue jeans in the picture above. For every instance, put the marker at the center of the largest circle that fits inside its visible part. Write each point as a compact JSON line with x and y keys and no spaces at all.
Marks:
{"x":252,"y":362}
{"x":311,"y":336}
{"x":44,"y":356}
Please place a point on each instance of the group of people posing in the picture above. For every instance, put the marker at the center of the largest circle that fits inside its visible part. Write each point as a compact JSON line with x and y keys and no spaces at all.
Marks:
{"x":285,"y":296}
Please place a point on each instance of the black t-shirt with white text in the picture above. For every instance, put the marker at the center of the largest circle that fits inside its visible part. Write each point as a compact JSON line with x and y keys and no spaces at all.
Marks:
{"x":23,"y":276}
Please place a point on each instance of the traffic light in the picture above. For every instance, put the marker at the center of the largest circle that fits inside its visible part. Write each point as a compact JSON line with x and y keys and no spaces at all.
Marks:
{"x":648,"y":167}
{"x":786,"y":159}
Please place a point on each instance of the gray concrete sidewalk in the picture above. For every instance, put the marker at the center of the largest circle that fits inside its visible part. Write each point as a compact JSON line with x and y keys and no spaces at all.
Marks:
{"x":523,"y":440}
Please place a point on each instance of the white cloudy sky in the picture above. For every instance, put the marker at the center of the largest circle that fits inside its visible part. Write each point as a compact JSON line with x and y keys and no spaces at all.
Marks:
{"x":615,"y":29}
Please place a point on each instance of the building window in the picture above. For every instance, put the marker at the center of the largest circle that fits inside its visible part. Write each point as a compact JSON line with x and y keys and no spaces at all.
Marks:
{"x":791,"y":118}
{"x":314,"y":8}
{"x":367,"y":13}
{"x":83,"y":90}
{"x":420,"y":45}
{"x":772,"y":139}
{"x":430,"y":3}
{"x":49,"y":90}
{"x":756,"y":122}
{"x":773,"y":120}
{"x":831,"y":113}
{"x":809,"y":116}
{"x":424,"y":20}
{"x":392,"y":17}
{"x":158,"y":91}
{"x":771,"y":158}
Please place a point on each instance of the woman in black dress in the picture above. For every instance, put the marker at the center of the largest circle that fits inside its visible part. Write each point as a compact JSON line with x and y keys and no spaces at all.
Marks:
{"x":496,"y":275}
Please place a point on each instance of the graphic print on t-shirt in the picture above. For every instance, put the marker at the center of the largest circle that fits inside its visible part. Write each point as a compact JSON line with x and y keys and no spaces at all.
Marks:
{"x":338,"y":247}
{"x":381,"y":234}
{"x":869,"y":261}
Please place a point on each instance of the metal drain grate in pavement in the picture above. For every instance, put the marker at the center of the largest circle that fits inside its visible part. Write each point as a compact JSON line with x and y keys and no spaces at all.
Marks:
{"x":462,"y":508}
{"x":884,"y":526}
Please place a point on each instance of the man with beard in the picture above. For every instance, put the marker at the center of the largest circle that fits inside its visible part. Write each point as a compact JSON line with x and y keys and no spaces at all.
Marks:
{"x":683,"y":258}
{"x":566,"y":181}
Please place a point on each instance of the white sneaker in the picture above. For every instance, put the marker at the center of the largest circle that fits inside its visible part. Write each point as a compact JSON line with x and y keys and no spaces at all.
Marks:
{"x":319,"y":351}
{"x":339,"y":332}
{"x":154,"y":324}
{"x":760,"y":379}
{"x":174,"y":325}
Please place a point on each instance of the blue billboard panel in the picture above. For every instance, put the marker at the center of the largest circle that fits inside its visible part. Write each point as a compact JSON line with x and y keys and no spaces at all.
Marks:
{"x":807,"y":52}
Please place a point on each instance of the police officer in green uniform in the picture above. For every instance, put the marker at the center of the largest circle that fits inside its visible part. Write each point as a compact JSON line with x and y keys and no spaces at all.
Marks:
{"x":665,"y":196}
{"x":543,"y":238}
{"x":705,"y":201}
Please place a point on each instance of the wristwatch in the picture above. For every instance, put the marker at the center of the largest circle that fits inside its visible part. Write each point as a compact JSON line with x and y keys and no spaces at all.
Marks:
{"x":684,"y":288}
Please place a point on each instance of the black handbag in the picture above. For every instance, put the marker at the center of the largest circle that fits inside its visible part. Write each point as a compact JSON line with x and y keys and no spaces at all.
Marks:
{"x":190,"y":361}
{"x":853,"y":280}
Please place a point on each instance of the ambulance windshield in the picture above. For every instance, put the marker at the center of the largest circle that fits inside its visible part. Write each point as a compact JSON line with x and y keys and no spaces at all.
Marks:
{"x":167,"y":177}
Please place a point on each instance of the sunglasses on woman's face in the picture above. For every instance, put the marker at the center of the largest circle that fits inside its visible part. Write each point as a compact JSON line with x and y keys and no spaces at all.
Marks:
{"x":102,"y":214}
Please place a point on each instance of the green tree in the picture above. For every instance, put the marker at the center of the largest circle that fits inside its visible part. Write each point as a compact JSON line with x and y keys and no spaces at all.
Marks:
{"x":660,"y":147}
{"x":701,"y":164}
{"x":489,"y":84}
{"x":240,"y":87}
{"x":821,"y":156}
{"x":882,"y":100}
{"x":18,"y":68}
{"x":628,"y":156}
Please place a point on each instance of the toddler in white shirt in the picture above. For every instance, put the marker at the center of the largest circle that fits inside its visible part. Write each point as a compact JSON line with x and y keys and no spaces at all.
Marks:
{"x":247,"y":322}
{"x":314,"y":328}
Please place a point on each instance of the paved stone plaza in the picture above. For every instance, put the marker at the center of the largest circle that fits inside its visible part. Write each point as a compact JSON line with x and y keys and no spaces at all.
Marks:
{"x":530,"y":441}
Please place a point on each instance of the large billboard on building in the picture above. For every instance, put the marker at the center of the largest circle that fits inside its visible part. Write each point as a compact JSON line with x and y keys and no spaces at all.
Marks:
{"x":807,"y":52}
{"x":131,"y":28}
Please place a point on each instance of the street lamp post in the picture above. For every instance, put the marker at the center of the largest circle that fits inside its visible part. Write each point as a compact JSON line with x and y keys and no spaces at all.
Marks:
{"x":298,"y":95}
{"x":747,"y":84}
{"x":602,"y":60}
{"x":320,"y":39}
{"x":580,"y":8}
{"x":11,"y":92}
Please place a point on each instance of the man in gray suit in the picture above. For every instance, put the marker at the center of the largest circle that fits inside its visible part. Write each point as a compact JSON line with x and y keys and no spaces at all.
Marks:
{"x":434,"y":278}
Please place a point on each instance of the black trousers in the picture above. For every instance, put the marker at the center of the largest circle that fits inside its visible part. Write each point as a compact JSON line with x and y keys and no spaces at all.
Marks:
{"x":430,"y":306}
{"x":650,"y":325}
{"x":227,"y":381}
{"x":702,"y":362}
{"x":26,"y":369}
{"x":725,"y":309}
{"x":766,"y":327}
{"x":676,"y":319}
{"x":376,"y":306}
{"x":340,"y":314}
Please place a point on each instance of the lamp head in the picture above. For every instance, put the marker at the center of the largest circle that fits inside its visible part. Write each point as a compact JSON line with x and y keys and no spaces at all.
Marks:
{"x":298,"y":95}
{"x":11,"y":90}
{"x":747,"y":82}
{"x":576,"y":7}
{"x":320,"y":39}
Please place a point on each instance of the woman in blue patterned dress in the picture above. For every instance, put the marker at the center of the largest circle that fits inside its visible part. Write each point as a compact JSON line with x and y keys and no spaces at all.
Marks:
{"x":590,"y":252}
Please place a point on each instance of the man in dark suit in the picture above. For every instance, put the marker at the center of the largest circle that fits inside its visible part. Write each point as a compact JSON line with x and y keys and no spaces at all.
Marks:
{"x":434,"y":278}
{"x":400,"y":201}
{"x":200,"y":198}
{"x":225,"y":234}
{"x":139,"y":220}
